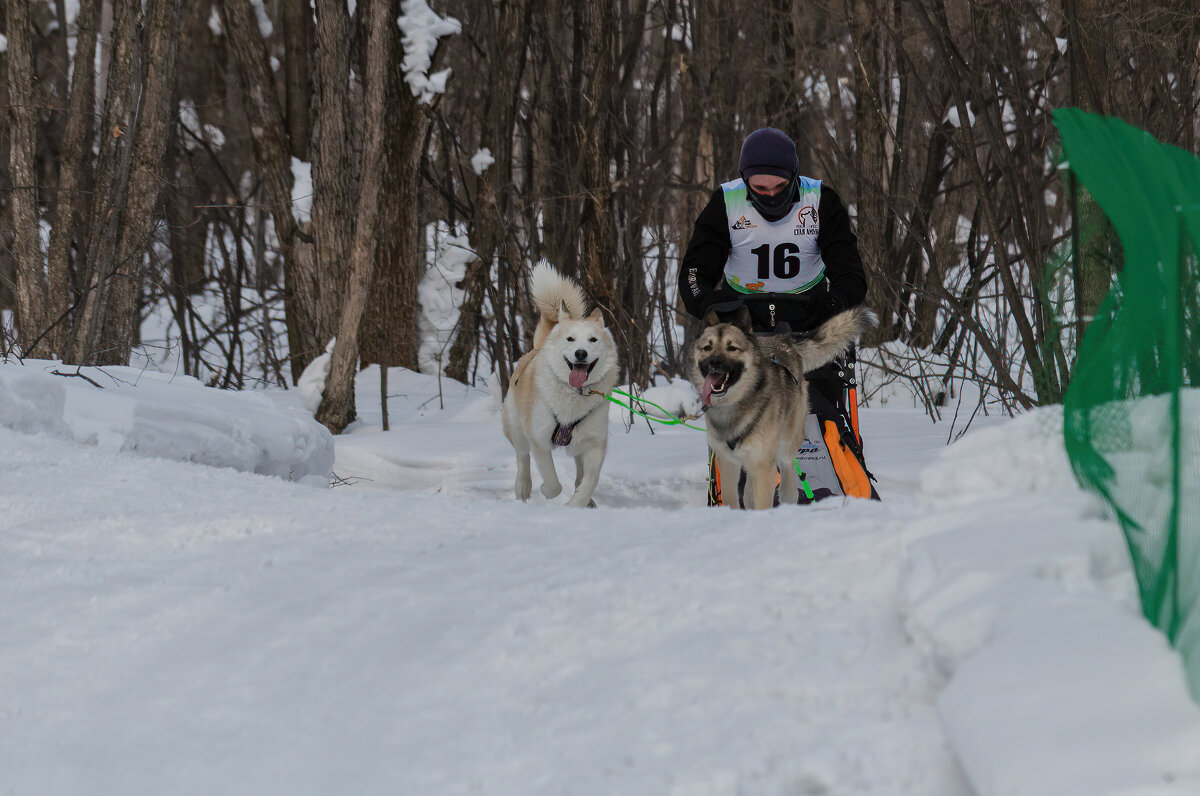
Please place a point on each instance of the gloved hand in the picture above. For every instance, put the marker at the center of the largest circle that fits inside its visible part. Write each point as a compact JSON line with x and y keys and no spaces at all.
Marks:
{"x":835,"y":304}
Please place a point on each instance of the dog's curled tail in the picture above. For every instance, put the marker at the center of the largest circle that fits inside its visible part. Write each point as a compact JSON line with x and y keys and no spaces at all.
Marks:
{"x":551,"y":292}
{"x":832,"y":338}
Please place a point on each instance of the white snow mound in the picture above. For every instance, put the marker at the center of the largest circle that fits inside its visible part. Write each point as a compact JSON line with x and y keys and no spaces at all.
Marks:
{"x":170,"y":417}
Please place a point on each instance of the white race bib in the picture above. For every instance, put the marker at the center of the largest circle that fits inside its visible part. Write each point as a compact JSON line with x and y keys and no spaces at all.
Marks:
{"x":773,"y":256}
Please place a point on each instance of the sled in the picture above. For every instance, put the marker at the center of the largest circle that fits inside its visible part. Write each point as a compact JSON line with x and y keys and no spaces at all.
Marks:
{"x":830,"y":461}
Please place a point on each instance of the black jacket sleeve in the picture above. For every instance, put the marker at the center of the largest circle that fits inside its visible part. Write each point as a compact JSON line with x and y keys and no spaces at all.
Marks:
{"x":703,"y":265}
{"x":839,"y":251}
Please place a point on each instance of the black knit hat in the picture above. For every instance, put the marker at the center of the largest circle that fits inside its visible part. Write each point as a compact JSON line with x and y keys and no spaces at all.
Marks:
{"x":768,"y":151}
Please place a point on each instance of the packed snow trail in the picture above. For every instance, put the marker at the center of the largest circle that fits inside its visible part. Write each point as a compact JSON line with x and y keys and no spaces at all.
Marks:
{"x":170,"y":627}
{"x":191,"y":630}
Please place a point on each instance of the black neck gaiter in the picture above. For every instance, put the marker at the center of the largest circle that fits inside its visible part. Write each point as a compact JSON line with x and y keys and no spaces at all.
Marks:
{"x":774,"y":207}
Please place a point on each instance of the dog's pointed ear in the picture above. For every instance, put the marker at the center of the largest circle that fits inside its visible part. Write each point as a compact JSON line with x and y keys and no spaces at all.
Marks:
{"x":596,"y":316}
{"x":711,"y":319}
{"x":564,"y":312}
{"x":742,"y":320}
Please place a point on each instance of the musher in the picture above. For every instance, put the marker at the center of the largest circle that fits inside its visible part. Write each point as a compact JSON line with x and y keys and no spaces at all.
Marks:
{"x":781,"y":244}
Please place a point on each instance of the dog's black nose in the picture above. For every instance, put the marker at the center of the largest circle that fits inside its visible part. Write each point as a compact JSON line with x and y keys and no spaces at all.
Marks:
{"x":580,"y":355}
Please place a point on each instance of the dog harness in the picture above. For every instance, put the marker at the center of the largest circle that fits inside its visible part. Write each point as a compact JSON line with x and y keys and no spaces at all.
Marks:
{"x":733,"y":443}
{"x":561,"y":436}
{"x":786,"y":370}
{"x":740,"y":438}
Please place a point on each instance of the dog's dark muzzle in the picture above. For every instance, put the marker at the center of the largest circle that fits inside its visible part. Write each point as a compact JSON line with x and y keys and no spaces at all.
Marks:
{"x":720,"y":365}
{"x":719,"y":375}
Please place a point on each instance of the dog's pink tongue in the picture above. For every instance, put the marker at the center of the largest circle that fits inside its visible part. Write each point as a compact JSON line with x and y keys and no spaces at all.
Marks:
{"x":707,"y":388}
{"x":578,"y":377}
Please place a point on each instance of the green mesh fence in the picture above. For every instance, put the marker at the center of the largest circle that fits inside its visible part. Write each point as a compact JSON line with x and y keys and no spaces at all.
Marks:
{"x":1132,"y":412}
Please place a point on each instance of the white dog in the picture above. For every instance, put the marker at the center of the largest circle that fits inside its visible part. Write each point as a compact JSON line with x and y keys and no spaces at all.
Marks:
{"x":556,"y":395}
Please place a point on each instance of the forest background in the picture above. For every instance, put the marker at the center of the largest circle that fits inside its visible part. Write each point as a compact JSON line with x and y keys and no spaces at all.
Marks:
{"x":264,"y":176}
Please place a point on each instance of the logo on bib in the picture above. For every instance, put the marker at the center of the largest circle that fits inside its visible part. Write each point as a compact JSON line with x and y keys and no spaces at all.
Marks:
{"x":744,"y":223}
{"x":809,"y":225}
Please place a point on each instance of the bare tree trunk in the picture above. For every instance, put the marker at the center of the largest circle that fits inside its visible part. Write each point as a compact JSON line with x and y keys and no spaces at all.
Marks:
{"x":1093,"y":234}
{"x":63,"y":52}
{"x":594,"y":131}
{"x":145,"y":180}
{"x":298,"y":37}
{"x":944,"y":252}
{"x":71,"y":173}
{"x":560,"y":187}
{"x":458,"y":361}
{"x":389,"y":335}
{"x":332,"y":174}
{"x":917,"y":246}
{"x":112,"y":179}
{"x":337,"y":406}
{"x":508,"y":30}
{"x":695,"y":171}
{"x":187,"y":230}
{"x":32,"y":288}
{"x":717,"y":26}
{"x":269,"y":133}
{"x":871,"y":163}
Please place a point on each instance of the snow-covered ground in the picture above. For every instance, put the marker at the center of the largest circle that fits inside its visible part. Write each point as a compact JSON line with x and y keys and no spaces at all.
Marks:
{"x":173,"y":627}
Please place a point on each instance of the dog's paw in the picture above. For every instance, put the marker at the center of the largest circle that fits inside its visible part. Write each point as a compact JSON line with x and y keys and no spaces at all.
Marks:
{"x":523,"y":487}
{"x":551,"y":491}
{"x":581,"y":501}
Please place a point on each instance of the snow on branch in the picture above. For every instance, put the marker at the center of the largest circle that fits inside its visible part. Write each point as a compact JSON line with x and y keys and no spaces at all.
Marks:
{"x":422,"y":27}
{"x":481,"y":160}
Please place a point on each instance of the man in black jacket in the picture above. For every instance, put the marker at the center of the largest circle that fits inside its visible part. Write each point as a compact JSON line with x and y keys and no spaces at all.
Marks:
{"x":781,"y":244}
{"x":775,"y":240}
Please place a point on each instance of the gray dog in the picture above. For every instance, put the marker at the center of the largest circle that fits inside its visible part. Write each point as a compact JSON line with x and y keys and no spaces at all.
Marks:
{"x":757,"y":398}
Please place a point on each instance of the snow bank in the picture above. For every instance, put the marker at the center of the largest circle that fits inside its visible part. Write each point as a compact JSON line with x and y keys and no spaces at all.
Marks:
{"x":170,"y":417}
{"x":1024,"y":605}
